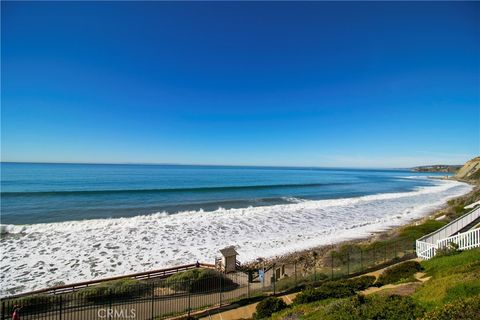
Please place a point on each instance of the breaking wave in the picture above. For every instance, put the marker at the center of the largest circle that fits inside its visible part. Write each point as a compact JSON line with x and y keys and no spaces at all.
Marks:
{"x":38,"y":255}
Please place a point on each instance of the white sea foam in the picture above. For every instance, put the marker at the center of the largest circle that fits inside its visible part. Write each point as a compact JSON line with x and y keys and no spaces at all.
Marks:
{"x":293,"y":199}
{"x":40,"y":255}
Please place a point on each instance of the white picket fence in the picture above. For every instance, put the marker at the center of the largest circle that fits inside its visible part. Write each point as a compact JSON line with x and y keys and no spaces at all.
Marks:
{"x":427,"y":246}
{"x":464,"y":241}
{"x":425,"y":250}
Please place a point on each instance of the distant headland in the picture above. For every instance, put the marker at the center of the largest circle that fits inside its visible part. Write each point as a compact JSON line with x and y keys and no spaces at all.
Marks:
{"x":437,"y":168}
{"x":470,"y":171}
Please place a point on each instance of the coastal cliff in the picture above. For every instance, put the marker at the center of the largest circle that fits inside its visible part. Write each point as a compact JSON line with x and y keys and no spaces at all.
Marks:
{"x":470,"y":170}
{"x":437,"y":168}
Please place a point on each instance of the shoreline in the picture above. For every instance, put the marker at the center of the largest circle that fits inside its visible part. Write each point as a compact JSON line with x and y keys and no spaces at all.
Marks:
{"x":321,"y":249}
{"x":391,"y":233}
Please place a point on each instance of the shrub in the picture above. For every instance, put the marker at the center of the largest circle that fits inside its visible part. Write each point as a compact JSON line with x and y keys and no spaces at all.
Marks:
{"x":199,"y":280}
{"x":35,"y":303}
{"x":392,"y":307}
{"x":335,"y":289}
{"x":398,"y":272}
{"x":117,"y":289}
{"x":268,"y":306}
{"x":325,"y":291}
{"x":361,"y":283}
{"x":290,"y":282}
{"x":461,"y":309}
{"x":450,"y":249}
{"x":373,"y":307}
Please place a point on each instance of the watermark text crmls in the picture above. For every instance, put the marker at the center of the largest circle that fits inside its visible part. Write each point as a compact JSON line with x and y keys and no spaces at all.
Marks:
{"x":117,"y":313}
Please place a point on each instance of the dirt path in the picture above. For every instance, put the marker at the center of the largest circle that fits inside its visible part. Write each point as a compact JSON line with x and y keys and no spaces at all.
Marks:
{"x":245,"y":312}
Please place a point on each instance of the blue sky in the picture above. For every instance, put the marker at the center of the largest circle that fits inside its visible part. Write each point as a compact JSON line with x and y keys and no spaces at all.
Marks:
{"x":375,"y":84}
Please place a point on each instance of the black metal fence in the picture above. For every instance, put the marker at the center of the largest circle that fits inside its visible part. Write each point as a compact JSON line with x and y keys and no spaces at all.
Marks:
{"x":346,"y":261}
{"x":156,"y":299}
{"x":165,"y":298}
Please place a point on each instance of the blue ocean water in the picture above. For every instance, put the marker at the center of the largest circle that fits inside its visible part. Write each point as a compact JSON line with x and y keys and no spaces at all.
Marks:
{"x":77,"y":222}
{"x":38,"y":193}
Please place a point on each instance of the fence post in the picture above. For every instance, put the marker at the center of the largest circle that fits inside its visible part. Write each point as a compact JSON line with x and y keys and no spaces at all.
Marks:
{"x":189,"y":296}
{"x":60,"y":310}
{"x":315,"y":268}
{"x":153,"y":300}
{"x":3,"y":310}
{"x":248,"y":283}
{"x":221,"y":289}
{"x":361,"y":260}
{"x":348,"y":262}
{"x":295,"y":268}
{"x":263,"y":278}
{"x":275,"y":280}
{"x":332,"y":265}
{"x":110,"y":296}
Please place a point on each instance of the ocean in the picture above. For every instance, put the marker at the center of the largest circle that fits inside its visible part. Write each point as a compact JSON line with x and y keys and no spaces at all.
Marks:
{"x":62,"y":223}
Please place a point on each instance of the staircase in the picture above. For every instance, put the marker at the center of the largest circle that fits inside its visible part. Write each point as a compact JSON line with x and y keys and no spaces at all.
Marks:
{"x":457,"y":231}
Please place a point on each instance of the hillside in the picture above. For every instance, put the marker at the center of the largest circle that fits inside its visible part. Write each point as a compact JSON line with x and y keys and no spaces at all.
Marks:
{"x":437,"y":168}
{"x":470,"y":171}
{"x":448,"y":288}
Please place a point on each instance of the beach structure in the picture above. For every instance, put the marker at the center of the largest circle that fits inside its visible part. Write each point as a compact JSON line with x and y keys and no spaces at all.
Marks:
{"x":462,"y":233}
{"x":279,"y":272}
{"x":228,"y":261}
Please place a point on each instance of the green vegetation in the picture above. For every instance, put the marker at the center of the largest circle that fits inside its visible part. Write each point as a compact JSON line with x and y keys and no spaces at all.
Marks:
{"x":117,"y":289}
{"x":418,"y":231}
{"x":361,"y":283}
{"x":374,"y":307}
{"x":335,"y":289}
{"x":456,"y":206}
{"x":290,"y":282}
{"x":400,"y":272}
{"x":323,"y":292}
{"x":36,"y":303}
{"x":268,"y":306}
{"x":462,"y":309}
{"x":358,"y":307}
{"x":199,"y":280}
{"x":453,"y":277}
{"x":453,"y":292}
{"x":450,"y":249}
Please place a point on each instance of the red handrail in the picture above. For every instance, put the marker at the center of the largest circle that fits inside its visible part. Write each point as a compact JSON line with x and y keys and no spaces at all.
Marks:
{"x":160,"y":273}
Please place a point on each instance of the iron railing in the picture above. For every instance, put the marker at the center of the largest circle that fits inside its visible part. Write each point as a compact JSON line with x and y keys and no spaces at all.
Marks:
{"x":160,"y":298}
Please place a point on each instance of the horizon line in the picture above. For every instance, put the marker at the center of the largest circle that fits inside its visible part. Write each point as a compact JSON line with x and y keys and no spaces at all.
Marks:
{"x":218,"y":165}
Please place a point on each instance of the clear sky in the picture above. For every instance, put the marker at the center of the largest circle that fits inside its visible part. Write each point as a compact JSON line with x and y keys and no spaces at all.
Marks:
{"x":375,"y":84}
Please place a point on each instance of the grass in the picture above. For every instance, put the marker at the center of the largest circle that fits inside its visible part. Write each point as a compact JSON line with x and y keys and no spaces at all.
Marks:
{"x":418,"y":231}
{"x":463,"y":262}
{"x":462,"y":309}
{"x":453,"y":277}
